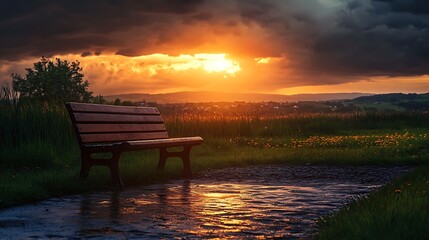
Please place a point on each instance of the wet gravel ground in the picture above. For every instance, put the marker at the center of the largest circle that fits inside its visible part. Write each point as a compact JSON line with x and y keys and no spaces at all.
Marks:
{"x":258,"y":201}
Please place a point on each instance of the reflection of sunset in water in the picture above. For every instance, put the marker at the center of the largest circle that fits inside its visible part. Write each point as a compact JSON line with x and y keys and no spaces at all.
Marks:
{"x":252,"y":202}
{"x":222,"y":212}
{"x":219,"y":195}
{"x":234,"y":209}
{"x":228,"y":210}
{"x":257,"y":207}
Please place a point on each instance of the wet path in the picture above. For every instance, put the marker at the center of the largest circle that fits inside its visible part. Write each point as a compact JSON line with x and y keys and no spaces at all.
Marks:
{"x":270,"y":201}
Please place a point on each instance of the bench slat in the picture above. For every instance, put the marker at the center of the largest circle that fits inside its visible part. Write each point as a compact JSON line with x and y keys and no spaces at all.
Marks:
{"x":84,"y":107}
{"x":113,"y":137}
{"x":99,"y":117}
{"x":105,"y":128}
{"x":170,"y":142}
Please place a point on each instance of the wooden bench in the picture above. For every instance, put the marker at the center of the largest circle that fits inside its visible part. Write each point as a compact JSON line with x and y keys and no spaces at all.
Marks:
{"x":115,"y":129}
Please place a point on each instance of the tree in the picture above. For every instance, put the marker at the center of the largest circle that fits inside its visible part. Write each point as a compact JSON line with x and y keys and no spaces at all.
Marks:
{"x":49,"y":81}
{"x":117,"y":101}
{"x":99,"y":99}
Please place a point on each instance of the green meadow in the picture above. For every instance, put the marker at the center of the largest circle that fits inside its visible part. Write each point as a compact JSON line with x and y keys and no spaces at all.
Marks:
{"x":39,"y":158}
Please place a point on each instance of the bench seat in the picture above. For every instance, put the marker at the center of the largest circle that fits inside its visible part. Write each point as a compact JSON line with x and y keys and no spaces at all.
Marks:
{"x":169,"y":142}
{"x":115,"y":129}
{"x":148,"y":144}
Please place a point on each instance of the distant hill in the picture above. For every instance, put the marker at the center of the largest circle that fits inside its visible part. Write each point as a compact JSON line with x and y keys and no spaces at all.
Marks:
{"x":206,"y":96}
{"x":392,"y":98}
{"x":411,"y":102}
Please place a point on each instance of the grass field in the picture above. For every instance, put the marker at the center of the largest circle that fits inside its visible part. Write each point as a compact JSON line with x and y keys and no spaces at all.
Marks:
{"x":39,"y":157}
{"x":397,"y":211}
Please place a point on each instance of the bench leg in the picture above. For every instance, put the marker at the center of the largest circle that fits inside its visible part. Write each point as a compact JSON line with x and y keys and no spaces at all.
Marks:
{"x":113,"y":163}
{"x":186,"y":161}
{"x":85,"y":163}
{"x":184,"y":155}
{"x":114,"y":168}
{"x":163,"y":155}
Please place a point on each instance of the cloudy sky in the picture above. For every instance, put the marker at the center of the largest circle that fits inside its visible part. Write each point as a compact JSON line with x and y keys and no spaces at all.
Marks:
{"x":270,"y":46}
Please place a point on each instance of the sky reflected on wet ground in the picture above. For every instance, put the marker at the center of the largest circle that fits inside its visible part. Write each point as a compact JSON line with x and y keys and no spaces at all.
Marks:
{"x":251,"y":202}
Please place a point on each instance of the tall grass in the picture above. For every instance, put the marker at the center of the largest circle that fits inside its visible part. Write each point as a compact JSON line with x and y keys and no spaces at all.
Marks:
{"x":292,"y":125}
{"x":398,"y":211}
{"x":33,"y":134}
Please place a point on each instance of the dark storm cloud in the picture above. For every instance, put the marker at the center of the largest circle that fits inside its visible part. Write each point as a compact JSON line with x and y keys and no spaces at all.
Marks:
{"x":376,"y":38}
{"x":35,"y":28}
{"x":358,"y":38}
{"x":336,"y":37}
{"x":411,"y":6}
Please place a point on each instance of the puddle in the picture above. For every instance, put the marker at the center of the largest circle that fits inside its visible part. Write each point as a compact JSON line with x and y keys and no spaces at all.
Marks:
{"x":251,"y":202}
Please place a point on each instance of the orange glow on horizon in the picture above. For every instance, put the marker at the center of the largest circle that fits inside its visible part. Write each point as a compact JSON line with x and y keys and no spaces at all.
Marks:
{"x":110,"y":74}
{"x":375,"y":85}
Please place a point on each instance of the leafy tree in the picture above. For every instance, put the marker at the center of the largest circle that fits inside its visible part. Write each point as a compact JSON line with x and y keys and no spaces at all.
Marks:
{"x":99,"y":99}
{"x":53,"y":81}
{"x":128,"y":103}
{"x":117,"y":101}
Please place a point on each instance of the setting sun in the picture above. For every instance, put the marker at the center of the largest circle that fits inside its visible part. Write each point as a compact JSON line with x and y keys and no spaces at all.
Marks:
{"x":218,"y":63}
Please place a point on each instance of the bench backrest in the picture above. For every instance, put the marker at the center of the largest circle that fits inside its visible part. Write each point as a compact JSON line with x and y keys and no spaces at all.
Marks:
{"x":96,"y":123}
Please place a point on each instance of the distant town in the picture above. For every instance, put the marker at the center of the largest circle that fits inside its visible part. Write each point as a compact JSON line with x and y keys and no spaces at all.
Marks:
{"x":375,"y":103}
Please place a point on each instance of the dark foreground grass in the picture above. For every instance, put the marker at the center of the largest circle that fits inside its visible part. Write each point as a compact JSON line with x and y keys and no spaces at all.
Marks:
{"x":399,"y":210}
